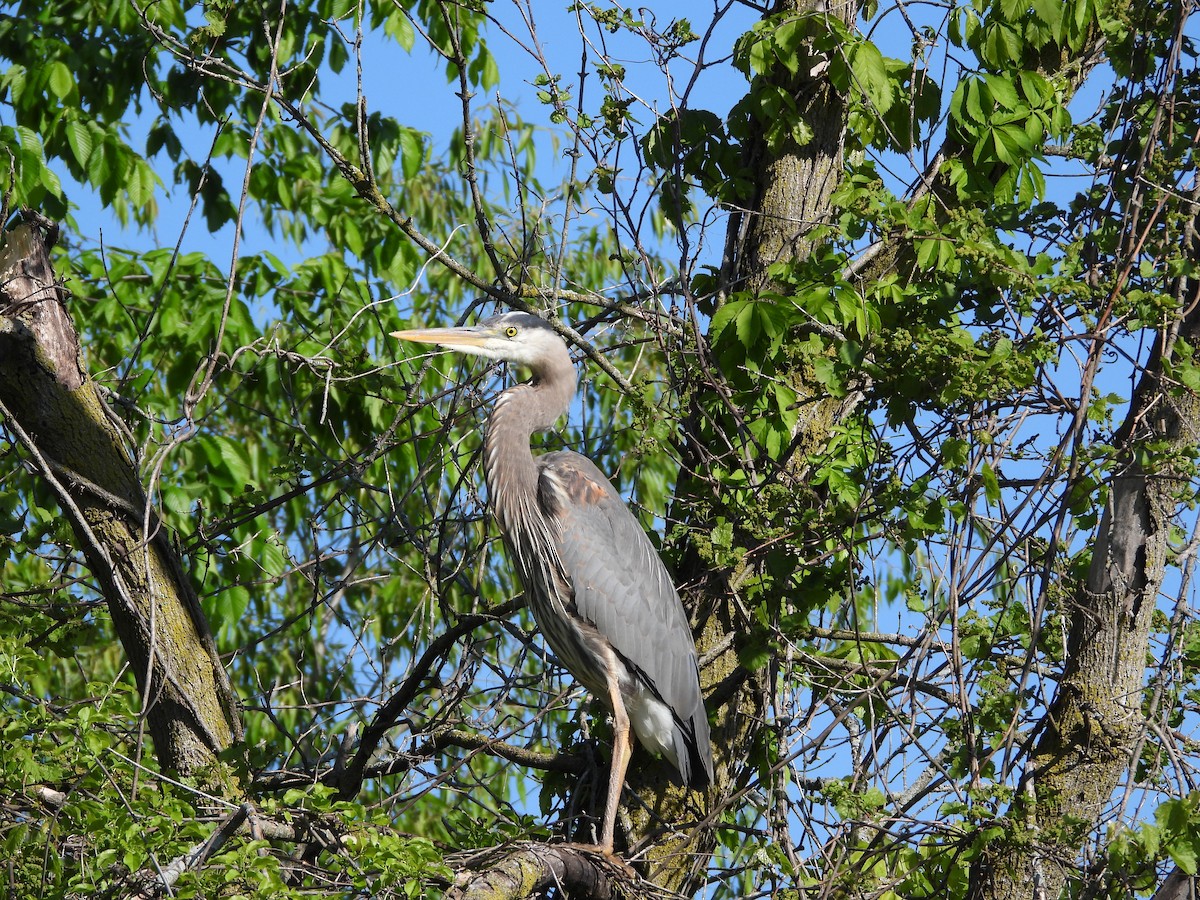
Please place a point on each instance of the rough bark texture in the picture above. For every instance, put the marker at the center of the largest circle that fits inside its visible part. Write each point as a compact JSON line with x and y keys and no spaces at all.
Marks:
{"x":531,"y":870}
{"x":792,"y":187}
{"x":1096,"y":718}
{"x":1177,"y":886}
{"x":1077,"y":762}
{"x":56,"y":412}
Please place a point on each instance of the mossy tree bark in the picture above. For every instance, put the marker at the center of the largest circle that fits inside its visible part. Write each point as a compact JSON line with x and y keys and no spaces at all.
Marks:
{"x":57,"y":413}
{"x":1096,"y":719}
{"x":1090,"y":735}
{"x":792,"y":186}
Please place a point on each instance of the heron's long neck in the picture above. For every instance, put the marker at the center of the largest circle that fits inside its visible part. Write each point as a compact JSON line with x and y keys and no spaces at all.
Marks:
{"x":521,"y":410}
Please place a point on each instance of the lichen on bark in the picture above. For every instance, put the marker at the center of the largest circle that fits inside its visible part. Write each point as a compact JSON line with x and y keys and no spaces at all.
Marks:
{"x":56,"y":412}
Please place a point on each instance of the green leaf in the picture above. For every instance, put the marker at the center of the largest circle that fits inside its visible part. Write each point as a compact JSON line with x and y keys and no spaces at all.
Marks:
{"x":412,"y":152}
{"x":80,"y":140}
{"x":235,"y":458}
{"x":1012,"y":143}
{"x":228,"y":605}
{"x":955,"y":453}
{"x":722,"y":535}
{"x":99,"y":168}
{"x":31,"y":142}
{"x":1003,"y":91}
{"x":1051,"y":12}
{"x":489,"y":78}
{"x":1183,"y":852}
{"x":176,"y":500}
{"x":271,"y":557}
{"x":399,"y":29}
{"x":761,"y":54}
{"x":59,"y":77}
{"x":969,"y":107}
{"x":747,"y":325}
{"x":1003,"y":46}
{"x":871,"y":75}
{"x":353,"y":237}
{"x":725,"y":315}
{"x":991,"y":484}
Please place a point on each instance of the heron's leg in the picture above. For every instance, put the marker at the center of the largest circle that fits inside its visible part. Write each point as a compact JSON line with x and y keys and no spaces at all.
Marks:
{"x":622,"y":750}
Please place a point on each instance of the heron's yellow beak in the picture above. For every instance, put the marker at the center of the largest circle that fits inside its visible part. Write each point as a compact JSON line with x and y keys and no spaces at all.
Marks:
{"x":445,"y":337}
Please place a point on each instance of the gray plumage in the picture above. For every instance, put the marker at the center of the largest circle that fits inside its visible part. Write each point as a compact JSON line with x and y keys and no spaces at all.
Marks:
{"x":598,"y":590}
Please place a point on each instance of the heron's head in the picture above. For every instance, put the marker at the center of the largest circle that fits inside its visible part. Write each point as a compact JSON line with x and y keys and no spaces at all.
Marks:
{"x":513,"y":337}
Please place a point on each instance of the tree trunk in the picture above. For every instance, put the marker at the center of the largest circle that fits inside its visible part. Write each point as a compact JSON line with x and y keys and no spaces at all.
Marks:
{"x":792,"y":187}
{"x":1095,"y":720}
{"x":57,"y":414}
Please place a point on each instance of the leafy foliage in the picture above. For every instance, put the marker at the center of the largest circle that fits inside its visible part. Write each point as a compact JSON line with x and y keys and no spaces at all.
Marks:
{"x":881,"y":478}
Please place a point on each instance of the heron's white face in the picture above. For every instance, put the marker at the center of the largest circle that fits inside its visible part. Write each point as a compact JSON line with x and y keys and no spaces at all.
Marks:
{"x":512,"y":337}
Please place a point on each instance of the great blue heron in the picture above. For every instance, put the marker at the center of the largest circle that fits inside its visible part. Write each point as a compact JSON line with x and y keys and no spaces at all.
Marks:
{"x":598,"y":590}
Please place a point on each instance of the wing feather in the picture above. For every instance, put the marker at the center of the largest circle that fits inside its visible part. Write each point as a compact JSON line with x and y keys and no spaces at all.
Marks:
{"x":621,"y":586}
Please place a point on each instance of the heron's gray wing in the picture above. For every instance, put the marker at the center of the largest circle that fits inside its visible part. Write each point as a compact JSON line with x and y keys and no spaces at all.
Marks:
{"x":622,"y":587}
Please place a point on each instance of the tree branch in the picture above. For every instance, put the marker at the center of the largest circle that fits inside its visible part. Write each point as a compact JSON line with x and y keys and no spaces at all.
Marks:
{"x":394,"y":707}
{"x":57,"y":414}
{"x":531,"y":869}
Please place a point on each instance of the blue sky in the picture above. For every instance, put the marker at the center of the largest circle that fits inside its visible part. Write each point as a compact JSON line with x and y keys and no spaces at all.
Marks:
{"x":413,"y":89}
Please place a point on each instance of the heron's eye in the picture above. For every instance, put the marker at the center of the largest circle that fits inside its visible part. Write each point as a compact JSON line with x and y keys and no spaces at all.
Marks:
{"x":510,"y":331}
